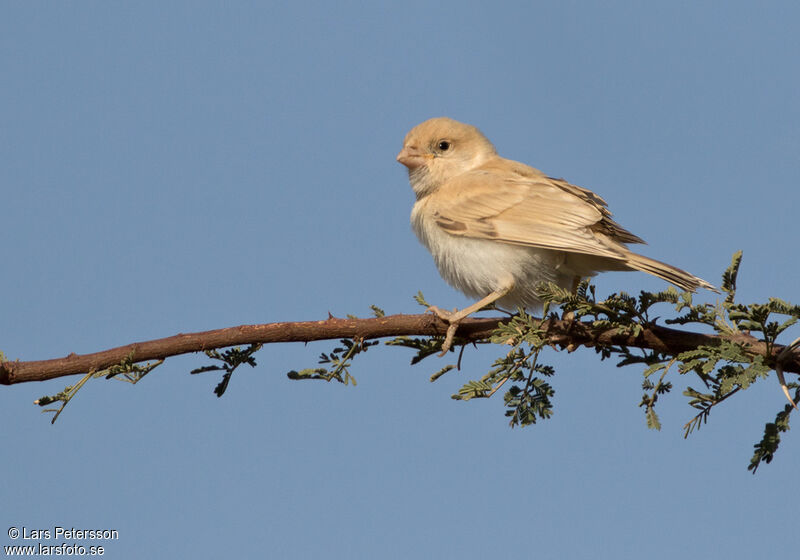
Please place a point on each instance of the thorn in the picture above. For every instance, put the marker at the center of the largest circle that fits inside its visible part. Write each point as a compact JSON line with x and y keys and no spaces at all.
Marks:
{"x":784,"y":386}
{"x":785,"y":353}
{"x":786,"y":390}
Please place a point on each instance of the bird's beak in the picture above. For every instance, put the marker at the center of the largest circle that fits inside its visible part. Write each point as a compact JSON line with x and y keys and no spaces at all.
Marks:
{"x":412,"y":157}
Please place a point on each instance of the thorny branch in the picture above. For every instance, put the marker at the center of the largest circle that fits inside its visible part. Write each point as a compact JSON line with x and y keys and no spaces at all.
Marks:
{"x":562,"y":333}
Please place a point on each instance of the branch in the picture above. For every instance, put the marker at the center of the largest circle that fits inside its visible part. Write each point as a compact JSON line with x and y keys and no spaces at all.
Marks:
{"x":559,"y":332}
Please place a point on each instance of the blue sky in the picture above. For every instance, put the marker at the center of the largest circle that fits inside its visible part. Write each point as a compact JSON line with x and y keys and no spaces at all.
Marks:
{"x":179,"y":167}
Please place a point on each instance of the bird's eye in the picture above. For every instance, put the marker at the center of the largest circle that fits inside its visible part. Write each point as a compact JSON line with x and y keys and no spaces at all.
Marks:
{"x":444,"y":145}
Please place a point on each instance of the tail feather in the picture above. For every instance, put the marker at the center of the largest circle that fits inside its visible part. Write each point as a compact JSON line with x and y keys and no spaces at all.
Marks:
{"x":671,"y":274}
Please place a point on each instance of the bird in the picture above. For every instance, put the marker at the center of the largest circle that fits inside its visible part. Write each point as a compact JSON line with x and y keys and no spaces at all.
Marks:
{"x":498,"y":228}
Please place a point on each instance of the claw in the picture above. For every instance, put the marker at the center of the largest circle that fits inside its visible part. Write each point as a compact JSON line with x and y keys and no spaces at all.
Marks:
{"x":787,"y":350}
{"x":446,"y":316}
{"x":448,"y":339}
{"x":785,"y":387}
{"x":455,"y":317}
{"x":441,"y":313}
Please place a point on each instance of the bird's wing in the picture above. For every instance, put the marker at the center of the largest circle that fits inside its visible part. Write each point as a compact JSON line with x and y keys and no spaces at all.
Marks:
{"x":522,"y":206}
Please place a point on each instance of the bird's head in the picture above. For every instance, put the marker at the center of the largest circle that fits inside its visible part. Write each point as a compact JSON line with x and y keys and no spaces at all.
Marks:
{"x":440,"y":149}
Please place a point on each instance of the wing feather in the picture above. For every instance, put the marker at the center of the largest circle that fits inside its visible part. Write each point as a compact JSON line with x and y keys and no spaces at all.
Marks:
{"x":526,"y":207}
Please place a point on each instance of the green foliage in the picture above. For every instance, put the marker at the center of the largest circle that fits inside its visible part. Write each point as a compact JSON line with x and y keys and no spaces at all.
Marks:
{"x":653,"y":390}
{"x":726,"y":368}
{"x":737,"y":368}
{"x":420,"y":299}
{"x":377,"y":311}
{"x":765,"y":449}
{"x":744,"y":351}
{"x":340,"y":360}
{"x":424,"y":346}
{"x":231,"y":359}
{"x":528,"y":398}
{"x":126,"y":370}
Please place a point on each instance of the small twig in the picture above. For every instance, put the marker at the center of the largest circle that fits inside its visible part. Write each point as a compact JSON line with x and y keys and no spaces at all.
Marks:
{"x":496,"y":387}
{"x":687,"y":428}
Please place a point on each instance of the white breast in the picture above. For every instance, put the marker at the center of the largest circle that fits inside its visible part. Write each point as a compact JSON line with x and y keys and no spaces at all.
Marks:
{"x":478,"y":267}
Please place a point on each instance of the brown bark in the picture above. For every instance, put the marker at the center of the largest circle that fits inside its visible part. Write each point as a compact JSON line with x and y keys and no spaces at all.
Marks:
{"x":563,"y":333}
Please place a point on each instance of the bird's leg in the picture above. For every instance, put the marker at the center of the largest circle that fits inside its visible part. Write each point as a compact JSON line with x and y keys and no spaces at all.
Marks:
{"x":455,"y":317}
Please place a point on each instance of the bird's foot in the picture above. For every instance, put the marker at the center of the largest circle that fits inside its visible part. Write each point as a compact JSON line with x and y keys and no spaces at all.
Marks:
{"x":441,"y":313}
{"x":453,"y":319}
